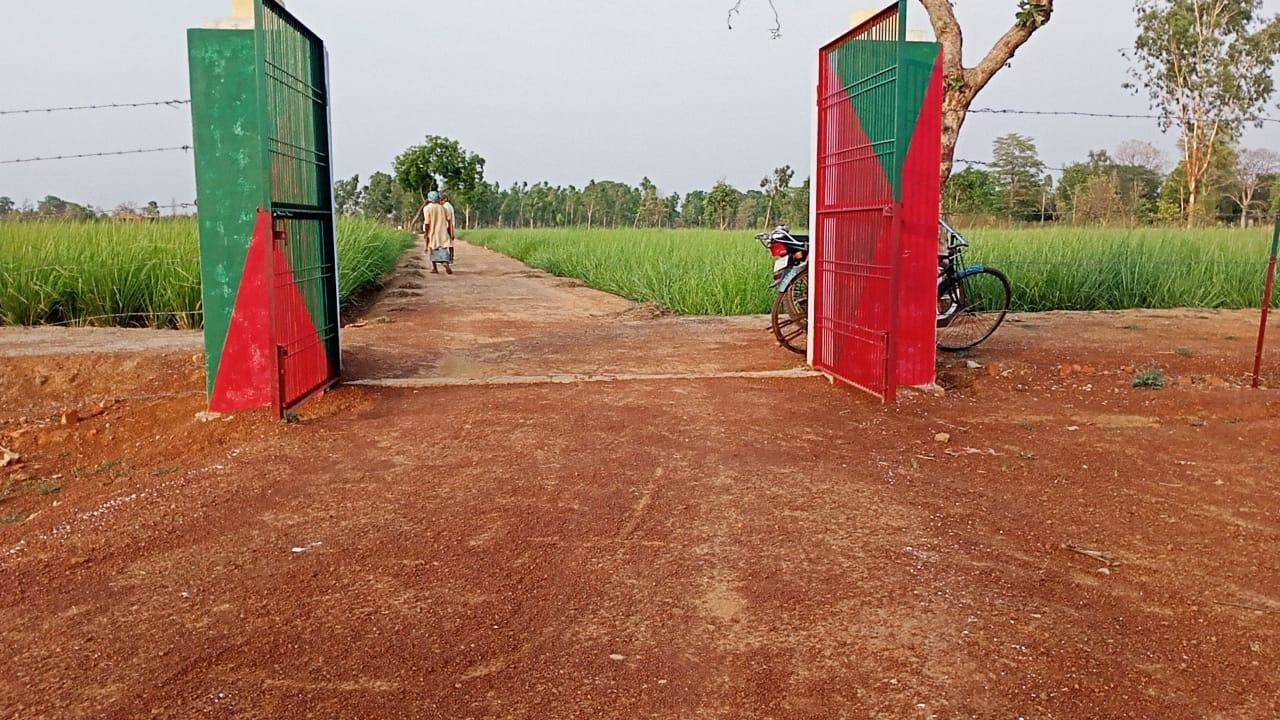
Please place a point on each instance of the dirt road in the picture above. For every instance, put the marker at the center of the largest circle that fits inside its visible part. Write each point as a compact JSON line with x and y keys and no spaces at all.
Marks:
{"x":467,"y":540}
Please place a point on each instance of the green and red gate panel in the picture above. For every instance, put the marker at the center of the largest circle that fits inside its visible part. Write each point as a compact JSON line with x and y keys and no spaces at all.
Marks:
{"x":267,"y":229}
{"x":877,"y":201}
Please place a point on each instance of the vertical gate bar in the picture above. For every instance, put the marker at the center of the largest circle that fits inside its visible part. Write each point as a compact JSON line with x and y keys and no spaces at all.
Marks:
{"x":1266,"y":306}
{"x":295,"y":130}
{"x":900,"y":148}
{"x":329,"y":250}
{"x":265,"y":115}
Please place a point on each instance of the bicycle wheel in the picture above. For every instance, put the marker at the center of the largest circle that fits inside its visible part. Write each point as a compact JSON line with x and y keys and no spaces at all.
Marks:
{"x":791,"y":316}
{"x":972,"y":309}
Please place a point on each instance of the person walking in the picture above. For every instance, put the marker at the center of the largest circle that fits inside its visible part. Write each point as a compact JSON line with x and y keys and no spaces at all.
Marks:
{"x":437,"y":229}
{"x":448,"y":208}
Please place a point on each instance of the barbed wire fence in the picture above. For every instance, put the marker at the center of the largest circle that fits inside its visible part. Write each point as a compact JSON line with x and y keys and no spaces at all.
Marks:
{"x":186,"y":314}
{"x":127,"y":210}
{"x":105,"y":106}
{"x":154,"y":282}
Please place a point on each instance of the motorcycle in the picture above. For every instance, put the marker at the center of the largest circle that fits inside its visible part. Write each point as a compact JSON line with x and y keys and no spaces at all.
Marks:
{"x":791,"y":280}
{"x":973,"y":300}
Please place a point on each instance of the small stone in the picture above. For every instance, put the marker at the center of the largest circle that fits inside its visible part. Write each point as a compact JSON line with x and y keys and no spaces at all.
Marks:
{"x":42,"y":380}
{"x":205,"y":417}
{"x":8,"y":457}
{"x":1073,"y":428}
{"x":972,"y":365}
{"x":617,"y":658}
{"x":1105,"y":571}
{"x":942,"y":438}
{"x":70,"y":417}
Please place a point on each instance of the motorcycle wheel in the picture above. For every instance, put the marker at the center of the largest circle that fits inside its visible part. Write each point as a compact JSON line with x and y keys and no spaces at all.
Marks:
{"x":791,"y":316}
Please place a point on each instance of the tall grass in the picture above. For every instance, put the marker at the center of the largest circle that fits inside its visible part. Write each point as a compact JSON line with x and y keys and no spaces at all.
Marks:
{"x":694,"y":272}
{"x":726,"y":273}
{"x":141,"y":275}
{"x":1113,"y":269}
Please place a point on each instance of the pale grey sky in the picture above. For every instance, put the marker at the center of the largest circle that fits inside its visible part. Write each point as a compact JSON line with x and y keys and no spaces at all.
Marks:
{"x":562,"y":90}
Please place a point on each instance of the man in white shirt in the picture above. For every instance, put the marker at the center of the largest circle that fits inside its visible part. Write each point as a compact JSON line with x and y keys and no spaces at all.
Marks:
{"x":448,"y":208}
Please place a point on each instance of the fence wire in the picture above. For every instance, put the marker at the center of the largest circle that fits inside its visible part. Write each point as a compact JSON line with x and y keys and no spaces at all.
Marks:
{"x":1114,"y":116}
{"x":105,"y":106}
{"x":113,"y":153}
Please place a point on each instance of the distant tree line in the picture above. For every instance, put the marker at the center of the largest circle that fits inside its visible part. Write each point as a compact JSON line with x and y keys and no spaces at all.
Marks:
{"x":1132,"y":184}
{"x":442,"y":164}
{"x":55,"y":208}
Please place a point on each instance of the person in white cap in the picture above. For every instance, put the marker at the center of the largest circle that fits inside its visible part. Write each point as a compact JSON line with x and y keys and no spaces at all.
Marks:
{"x":437,"y":229}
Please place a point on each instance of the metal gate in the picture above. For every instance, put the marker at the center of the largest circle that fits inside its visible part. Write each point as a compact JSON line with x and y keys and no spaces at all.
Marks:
{"x":858,"y":222}
{"x":293,"y":89}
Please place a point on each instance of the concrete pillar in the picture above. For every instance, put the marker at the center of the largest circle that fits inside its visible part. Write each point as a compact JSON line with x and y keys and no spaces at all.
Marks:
{"x":861,"y":16}
{"x":244,"y":8}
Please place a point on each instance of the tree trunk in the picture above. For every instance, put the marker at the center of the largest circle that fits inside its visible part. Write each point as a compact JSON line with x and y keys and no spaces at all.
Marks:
{"x":963,"y":84}
{"x":1193,"y":196}
{"x":955,"y":109}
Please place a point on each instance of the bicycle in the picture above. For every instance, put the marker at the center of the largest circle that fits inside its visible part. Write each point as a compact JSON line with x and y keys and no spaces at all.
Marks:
{"x":973,"y":300}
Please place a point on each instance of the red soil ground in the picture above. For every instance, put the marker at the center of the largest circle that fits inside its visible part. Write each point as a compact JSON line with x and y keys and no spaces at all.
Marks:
{"x":696,"y":547}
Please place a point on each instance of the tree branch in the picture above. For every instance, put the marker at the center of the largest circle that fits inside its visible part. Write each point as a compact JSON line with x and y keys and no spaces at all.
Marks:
{"x":1003,"y":51}
{"x":775,"y":31}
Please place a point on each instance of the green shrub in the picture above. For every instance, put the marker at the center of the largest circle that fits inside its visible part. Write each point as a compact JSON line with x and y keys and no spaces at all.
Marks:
{"x":1152,"y":378}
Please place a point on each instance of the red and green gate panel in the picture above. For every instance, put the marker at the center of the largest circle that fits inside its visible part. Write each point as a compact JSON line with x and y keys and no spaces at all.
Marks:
{"x":877,"y":204}
{"x":267,"y":227}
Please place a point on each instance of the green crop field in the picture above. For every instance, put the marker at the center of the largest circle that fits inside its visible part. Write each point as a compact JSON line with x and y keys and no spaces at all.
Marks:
{"x":706,"y":272}
{"x":148,"y":274}
{"x":142,"y":274}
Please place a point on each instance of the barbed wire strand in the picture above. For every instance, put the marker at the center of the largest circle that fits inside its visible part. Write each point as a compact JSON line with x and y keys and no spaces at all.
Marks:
{"x":112,"y":216}
{"x":139,"y":151}
{"x":1101,"y":115}
{"x":17,"y":270}
{"x":983,"y":163}
{"x":733,"y":11}
{"x":165,"y":313}
{"x":106,"y":106}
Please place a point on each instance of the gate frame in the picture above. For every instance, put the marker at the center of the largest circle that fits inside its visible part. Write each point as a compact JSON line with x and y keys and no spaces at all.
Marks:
{"x":281,"y":404}
{"x":236,"y":136}
{"x":904,"y":132}
{"x":1268,"y":288}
